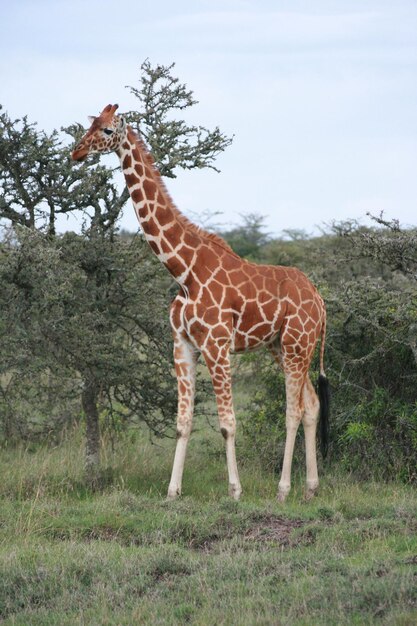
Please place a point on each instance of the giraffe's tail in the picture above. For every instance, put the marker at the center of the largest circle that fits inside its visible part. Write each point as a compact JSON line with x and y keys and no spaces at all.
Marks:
{"x":324,"y":396}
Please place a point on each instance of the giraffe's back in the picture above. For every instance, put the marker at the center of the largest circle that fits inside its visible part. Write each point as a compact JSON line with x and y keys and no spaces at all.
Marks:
{"x":269,"y":298}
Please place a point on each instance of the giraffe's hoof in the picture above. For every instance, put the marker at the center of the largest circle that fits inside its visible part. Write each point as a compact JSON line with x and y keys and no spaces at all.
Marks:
{"x":235,"y":491}
{"x":310,"y":493}
{"x":173,"y":494}
{"x":282,"y":494}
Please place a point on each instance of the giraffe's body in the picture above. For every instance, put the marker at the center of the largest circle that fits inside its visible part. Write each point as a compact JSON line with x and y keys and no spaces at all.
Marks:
{"x":225,"y":304}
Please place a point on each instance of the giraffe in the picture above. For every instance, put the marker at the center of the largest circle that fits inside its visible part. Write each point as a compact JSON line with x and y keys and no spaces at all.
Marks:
{"x":225,"y":305}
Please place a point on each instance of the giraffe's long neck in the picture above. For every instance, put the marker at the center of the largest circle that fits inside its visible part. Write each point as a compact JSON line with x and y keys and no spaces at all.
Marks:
{"x":166,"y":229}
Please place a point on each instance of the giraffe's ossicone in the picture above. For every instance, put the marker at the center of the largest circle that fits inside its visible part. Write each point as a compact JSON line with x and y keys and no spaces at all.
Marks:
{"x":225,"y":304}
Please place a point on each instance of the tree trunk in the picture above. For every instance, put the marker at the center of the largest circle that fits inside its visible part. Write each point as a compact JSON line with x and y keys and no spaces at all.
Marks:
{"x":92,"y":445}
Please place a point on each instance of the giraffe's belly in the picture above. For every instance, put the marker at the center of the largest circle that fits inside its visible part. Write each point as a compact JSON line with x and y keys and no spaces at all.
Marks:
{"x":256,"y":325}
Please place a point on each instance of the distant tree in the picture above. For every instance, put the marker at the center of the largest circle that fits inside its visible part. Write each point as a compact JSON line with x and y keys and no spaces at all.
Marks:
{"x":248,"y":238}
{"x":295,"y":234}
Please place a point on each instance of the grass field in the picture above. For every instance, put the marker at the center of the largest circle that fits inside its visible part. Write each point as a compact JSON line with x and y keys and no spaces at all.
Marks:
{"x":127,"y":556}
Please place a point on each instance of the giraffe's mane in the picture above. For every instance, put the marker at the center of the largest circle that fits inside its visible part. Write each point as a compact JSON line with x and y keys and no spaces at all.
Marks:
{"x":187,"y":223}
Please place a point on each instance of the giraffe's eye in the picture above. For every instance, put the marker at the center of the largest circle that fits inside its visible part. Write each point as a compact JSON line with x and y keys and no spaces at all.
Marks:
{"x":107,"y":131}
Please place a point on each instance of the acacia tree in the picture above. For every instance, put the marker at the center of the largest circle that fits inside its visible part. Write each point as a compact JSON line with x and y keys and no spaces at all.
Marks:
{"x":38,"y":182}
{"x":91,"y":312}
{"x":391,"y":245}
{"x":173,"y":142}
{"x":395,"y":248}
{"x":93,"y":306}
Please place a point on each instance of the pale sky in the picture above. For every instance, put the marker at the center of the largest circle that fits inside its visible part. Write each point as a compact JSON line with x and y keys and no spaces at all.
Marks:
{"x":321,"y":96}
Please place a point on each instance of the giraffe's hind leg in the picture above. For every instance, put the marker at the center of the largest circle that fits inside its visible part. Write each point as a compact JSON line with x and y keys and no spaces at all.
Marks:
{"x":294,"y":382}
{"x":293,"y":390}
{"x":295,"y":359}
{"x":310,"y":418}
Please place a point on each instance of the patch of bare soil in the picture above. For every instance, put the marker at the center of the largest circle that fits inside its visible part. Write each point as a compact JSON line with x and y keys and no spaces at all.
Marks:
{"x":412,"y":560}
{"x":266,"y":531}
{"x":104,"y":533}
{"x":277,"y":530}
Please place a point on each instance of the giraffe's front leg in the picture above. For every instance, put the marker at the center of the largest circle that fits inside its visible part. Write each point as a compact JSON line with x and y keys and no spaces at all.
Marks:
{"x":218,"y":363}
{"x":185,"y":358}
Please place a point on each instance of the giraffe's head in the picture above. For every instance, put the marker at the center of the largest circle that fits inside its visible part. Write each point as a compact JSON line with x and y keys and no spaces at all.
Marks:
{"x":105,"y":134}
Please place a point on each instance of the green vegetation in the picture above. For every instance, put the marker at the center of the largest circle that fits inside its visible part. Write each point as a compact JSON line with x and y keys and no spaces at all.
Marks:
{"x":84,"y":317}
{"x":126,"y":556}
{"x":86,"y":536}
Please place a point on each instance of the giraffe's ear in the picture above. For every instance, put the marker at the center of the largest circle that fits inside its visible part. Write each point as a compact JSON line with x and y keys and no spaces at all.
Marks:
{"x":122,"y":121}
{"x":91,"y":118}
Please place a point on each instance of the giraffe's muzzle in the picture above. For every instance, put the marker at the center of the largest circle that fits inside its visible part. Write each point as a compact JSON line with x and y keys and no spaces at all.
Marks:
{"x":79,"y":154}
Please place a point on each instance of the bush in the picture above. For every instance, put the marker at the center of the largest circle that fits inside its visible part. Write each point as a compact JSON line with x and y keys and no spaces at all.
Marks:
{"x":380,"y":439}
